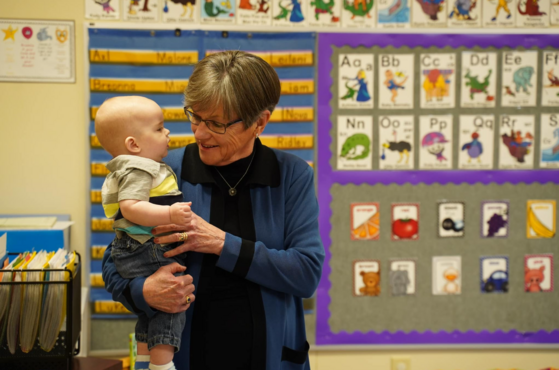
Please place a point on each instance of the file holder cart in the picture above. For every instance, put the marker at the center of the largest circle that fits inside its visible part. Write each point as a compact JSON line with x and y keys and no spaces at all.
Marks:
{"x":67,"y":345}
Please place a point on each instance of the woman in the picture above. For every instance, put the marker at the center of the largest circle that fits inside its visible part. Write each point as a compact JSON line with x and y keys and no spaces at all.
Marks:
{"x":253,"y":246}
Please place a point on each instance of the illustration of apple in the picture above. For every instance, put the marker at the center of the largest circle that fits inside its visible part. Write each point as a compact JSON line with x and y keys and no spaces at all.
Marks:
{"x":405,"y":228}
{"x":27,"y":32}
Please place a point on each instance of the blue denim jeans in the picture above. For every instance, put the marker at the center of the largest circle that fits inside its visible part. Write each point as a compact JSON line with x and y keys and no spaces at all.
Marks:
{"x":132,"y":260}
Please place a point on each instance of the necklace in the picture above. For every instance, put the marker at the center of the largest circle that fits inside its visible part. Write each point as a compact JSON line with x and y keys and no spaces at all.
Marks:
{"x":232,"y":189}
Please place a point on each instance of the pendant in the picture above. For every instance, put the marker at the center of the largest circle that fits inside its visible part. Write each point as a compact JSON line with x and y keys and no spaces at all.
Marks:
{"x":232,"y":192}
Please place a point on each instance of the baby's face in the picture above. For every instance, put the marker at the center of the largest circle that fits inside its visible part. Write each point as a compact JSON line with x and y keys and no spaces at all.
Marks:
{"x":153,"y":137}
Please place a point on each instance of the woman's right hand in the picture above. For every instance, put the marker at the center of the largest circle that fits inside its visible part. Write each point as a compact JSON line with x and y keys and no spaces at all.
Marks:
{"x":166,"y":292}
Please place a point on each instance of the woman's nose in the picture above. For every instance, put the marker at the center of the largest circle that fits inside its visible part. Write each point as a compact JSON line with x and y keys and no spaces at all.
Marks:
{"x":201,"y":131}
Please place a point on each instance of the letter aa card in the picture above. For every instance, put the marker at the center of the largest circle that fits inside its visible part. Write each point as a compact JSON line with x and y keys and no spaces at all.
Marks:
{"x":366,"y":278}
{"x":533,"y":13}
{"x":540,"y":219}
{"x":402,"y":277}
{"x":355,"y":81}
{"x":140,"y":11}
{"x":438,"y":85}
{"x":435,"y":133}
{"x":464,"y":13}
{"x":254,"y":12}
{"x":479,"y":79}
{"x":516,"y":147}
{"x":429,"y":13}
{"x":499,"y":13}
{"x":355,"y":142}
{"x":494,"y":274}
{"x":494,"y":219}
{"x":476,"y":142}
{"x":289,"y":13}
{"x":396,"y":81}
{"x":396,"y":142}
{"x":451,"y":219}
{"x":180,"y":11}
{"x":218,"y":11}
{"x":324,"y":13}
{"x":102,"y":9}
{"x":447,"y":275}
{"x":520,"y":78}
{"x":358,"y":14}
{"x":365,"y":221}
{"x":538,"y":273}
{"x":550,"y":76}
{"x":405,"y":221}
{"x":393,"y":14}
{"x":549,"y":142}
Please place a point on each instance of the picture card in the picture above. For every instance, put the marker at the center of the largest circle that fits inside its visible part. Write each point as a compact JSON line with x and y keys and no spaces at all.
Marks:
{"x":438,"y":85}
{"x":464,"y":14}
{"x":429,"y":13}
{"x":499,"y":14}
{"x":359,"y":14}
{"x":435,"y":133}
{"x":541,"y":216}
{"x":289,"y":13}
{"x":140,"y":11}
{"x":549,"y":140}
{"x":180,"y":11}
{"x":365,"y":221}
{"x":451,"y":219}
{"x":218,"y":12}
{"x":533,"y":13}
{"x":355,"y":142}
{"x":519,"y":78}
{"x":254,"y":12}
{"x":355,"y":81}
{"x":494,"y":273}
{"x":324,"y":13}
{"x":102,"y":9}
{"x":396,"y":81}
{"x":550,"y":75}
{"x":538,"y":273}
{"x":366,"y":278}
{"x":479,"y":79}
{"x":396,"y":142}
{"x":495,"y":219}
{"x":516,"y":147}
{"x":405,"y":221}
{"x":477,"y":137}
{"x":393,"y":14}
{"x":402,"y":276}
{"x":447,"y":275}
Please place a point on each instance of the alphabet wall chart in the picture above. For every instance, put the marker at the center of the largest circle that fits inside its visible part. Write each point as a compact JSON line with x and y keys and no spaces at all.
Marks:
{"x":438,"y":187}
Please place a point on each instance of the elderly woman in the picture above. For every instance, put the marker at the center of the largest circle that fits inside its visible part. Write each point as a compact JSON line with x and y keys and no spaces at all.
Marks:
{"x":253,"y":246}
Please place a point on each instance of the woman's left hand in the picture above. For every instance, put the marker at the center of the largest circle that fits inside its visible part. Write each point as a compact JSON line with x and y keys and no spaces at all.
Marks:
{"x":202,"y":237}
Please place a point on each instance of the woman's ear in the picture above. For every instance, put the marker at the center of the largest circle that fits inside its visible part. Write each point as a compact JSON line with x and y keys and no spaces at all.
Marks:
{"x":262,"y":122}
{"x":131,"y":145}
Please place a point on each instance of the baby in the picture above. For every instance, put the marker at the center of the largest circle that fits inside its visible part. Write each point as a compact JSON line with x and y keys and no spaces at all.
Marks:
{"x":140,"y":193}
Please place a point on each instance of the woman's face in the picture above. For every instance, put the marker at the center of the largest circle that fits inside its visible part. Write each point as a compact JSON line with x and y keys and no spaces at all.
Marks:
{"x":222,"y":149}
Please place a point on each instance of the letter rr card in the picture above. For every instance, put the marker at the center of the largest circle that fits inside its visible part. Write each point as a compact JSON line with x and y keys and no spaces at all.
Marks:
{"x":516,"y":142}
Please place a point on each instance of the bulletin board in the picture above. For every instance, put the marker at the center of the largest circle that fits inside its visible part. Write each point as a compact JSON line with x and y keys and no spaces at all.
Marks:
{"x":432,"y":180}
{"x":156,"y":63}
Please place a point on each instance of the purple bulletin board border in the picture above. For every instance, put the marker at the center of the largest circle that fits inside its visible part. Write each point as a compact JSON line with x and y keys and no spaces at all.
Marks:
{"x":327,"y":177}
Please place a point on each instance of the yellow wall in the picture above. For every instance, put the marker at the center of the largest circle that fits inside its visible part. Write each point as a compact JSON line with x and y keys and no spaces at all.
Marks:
{"x":44,"y":136}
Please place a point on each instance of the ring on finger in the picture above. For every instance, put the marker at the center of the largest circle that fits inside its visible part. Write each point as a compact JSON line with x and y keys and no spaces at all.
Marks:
{"x":187,"y":299}
{"x":183,"y":237}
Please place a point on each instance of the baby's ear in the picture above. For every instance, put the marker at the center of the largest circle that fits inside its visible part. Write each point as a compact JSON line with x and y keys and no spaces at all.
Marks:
{"x":131,"y":145}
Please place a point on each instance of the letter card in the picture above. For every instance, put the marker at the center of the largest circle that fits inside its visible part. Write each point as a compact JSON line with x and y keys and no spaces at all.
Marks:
{"x":405,"y":221}
{"x":541,"y":219}
{"x":218,"y":12}
{"x":140,"y":11}
{"x":365,"y":221}
{"x":435,"y":133}
{"x":185,"y":11}
{"x":438,"y":80}
{"x":538,"y":273}
{"x":393,"y":14}
{"x":402,"y":277}
{"x":494,"y":273}
{"x":533,"y":13}
{"x":451,"y":219}
{"x":289,"y":13}
{"x":464,"y":14}
{"x":355,"y":81}
{"x":102,"y":9}
{"x":396,"y":81}
{"x":254,"y":12}
{"x":520,"y":78}
{"x":396,"y":142}
{"x":355,"y":142}
{"x":429,"y":13}
{"x":516,"y":147}
{"x":479,"y":79}
{"x":499,"y":13}
{"x":554,"y":14}
{"x":447,"y":275}
{"x":476,"y":146}
{"x":366,"y":278}
{"x":358,"y":14}
{"x":324,"y":13}
{"x":549,"y":142}
{"x":494,"y":219}
{"x":550,"y":76}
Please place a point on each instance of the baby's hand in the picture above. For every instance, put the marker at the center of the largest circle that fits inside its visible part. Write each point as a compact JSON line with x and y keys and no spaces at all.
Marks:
{"x":180,"y":213}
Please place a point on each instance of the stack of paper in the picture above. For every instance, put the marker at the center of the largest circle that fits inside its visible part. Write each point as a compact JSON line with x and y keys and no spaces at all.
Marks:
{"x":27,"y":222}
{"x":5,"y":296}
{"x":12,"y":329}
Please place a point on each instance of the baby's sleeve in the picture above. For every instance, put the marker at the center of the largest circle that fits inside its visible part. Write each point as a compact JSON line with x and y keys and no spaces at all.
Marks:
{"x":135,"y":185}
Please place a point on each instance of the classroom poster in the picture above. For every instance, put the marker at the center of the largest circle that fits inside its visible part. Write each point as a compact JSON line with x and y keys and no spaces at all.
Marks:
{"x":255,"y":12}
{"x":355,"y":81}
{"x":396,"y":81}
{"x":479,"y":79}
{"x":429,"y":13}
{"x":516,"y":146}
{"x":140,"y":10}
{"x":550,"y":78}
{"x":533,"y":13}
{"x":499,"y":13}
{"x":438,"y":86}
{"x":102,"y":9}
{"x":396,"y":142}
{"x":549,"y":140}
{"x":435,"y":135}
{"x":358,"y":14}
{"x":289,"y":13}
{"x":393,"y":13}
{"x":180,"y":11}
{"x":476,"y":139}
{"x":519,"y":78}
{"x":355,"y":142}
{"x":218,"y":12}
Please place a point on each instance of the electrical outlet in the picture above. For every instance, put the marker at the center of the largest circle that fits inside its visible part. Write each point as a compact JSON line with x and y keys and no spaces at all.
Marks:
{"x":401,"y":363}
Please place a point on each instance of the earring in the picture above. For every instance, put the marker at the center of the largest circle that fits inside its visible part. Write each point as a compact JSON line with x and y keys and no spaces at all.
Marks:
{"x":257,"y":135}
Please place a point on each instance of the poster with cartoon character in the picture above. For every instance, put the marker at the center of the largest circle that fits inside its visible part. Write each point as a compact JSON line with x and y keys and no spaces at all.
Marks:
{"x":396,"y":81}
{"x":494,"y":219}
{"x":254,"y":12}
{"x":479,"y":79}
{"x":447,"y":275}
{"x":218,"y":11}
{"x":550,"y":77}
{"x":140,"y":10}
{"x":541,"y":217}
{"x":554,"y":13}
{"x":355,"y":142}
{"x":180,"y":11}
{"x":405,"y":221}
{"x":549,"y":140}
{"x":366,"y":278}
{"x":289,"y":13}
{"x":476,"y":138}
{"x":516,"y":144}
{"x":464,"y":14}
{"x":365,"y":221}
{"x":402,"y":277}
{"x":499,"y":13}
{"x":355,"y":81}
{"x":538,"y":273}
{"x":435,"y":135}
{"x":429,"y":13}
{"x":102,"y":9}
{"x":438,"y":80}
{"x":533,"y":13}
{"x":520,"y":78}
{"x":396,"y":135}
{"x":324,"y":13}
{"x":358,"y":13}
{"x":494,"y":274}
{"x":451,"y":219}
{"x":393,"y":13}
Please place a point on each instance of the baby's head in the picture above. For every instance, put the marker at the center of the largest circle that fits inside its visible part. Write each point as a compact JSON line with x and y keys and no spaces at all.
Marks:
{"x":132,"y":125}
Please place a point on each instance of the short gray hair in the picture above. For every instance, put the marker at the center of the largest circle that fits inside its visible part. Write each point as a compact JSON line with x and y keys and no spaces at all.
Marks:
{"x":241,"y":83}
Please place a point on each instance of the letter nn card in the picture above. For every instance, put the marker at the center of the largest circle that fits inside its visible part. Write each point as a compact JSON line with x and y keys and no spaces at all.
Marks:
{"x":365,"y":221}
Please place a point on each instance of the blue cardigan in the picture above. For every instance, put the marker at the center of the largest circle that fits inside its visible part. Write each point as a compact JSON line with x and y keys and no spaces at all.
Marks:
{"x":286,"y":263}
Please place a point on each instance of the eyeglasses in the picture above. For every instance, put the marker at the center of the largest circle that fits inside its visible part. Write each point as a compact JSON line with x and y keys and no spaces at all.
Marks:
{"x":217,"y":127}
